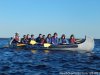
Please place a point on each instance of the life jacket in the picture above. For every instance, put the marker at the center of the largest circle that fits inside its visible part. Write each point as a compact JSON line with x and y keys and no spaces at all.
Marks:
{"x":54,"y":41}
{"x":72,"y":40}
{"x":48,"y":40}
{"x":16,"y":38}
{"x":63,"y":41}
{"x":24,"y":41}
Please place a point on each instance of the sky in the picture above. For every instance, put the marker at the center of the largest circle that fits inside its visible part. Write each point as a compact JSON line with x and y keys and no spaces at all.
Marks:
{"x":78,"y":17}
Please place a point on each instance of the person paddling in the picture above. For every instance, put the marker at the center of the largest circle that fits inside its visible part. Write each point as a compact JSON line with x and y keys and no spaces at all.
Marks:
{"x":32,"y":40}
{"x":72,"y":39}
{"x":63,"y":40}
{"x":24,"y":40}
{"x":16,"y":39}
{"x":49,"y":39}
{"x":43,"y":40}
{"x":39,"y":38}
{"x":55,"y":39}
{"x":32,"y":37}
{"x":27,"y":36}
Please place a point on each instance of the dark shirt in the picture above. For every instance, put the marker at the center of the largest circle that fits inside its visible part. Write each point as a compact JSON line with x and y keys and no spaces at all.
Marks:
{"x":24,"y":41}
{"x":38,"y":39}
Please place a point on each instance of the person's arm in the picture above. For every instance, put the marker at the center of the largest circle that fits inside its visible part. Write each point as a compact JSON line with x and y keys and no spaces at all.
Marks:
{"x":47,"y":40}
{"x":57,"y":41}
{"x":60,"y":42}
{"x":22,"y":40}
{"x":67,"y":42}
{"x":19,"y":39}
{"x":52,"y":41}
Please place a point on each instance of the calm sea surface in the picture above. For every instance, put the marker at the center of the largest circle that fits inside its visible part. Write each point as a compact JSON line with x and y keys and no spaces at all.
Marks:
{"x":44,"y":62}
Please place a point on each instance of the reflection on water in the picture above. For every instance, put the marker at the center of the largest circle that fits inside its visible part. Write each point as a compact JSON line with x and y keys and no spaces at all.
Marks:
{"x":46,"y":51}
{"x":34,"y":51}
{"x":43,"y":51}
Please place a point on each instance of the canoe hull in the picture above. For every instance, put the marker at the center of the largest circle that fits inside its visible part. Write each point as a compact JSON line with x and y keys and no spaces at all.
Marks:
{"x":87,"y":45}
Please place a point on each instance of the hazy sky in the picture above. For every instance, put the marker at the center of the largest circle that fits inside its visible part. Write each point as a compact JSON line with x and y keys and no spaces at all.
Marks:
{"x":79,"y":17}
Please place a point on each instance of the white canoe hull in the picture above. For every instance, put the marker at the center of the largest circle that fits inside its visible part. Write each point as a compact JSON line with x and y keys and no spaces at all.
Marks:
{"x":87,"y":45}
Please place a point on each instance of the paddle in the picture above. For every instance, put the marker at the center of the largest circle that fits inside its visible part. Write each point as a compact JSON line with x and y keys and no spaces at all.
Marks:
{"x":21,"y":45}
{"x":32,"y":42}
{"x":47,"y":45}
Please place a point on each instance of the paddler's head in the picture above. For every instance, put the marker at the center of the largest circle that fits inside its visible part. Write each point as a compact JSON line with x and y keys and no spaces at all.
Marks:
{"x":72,"y":36}
{"x":32,"y":36}
{"x":63,"y":36}
{"x":55,"y":35}
{"x":40,"y":35}
{"x":24,"y":36}
{"x":49,"y":36}
{"x":16,"y":34}
{"x":28,"y":36}
{"x":43,"y":36}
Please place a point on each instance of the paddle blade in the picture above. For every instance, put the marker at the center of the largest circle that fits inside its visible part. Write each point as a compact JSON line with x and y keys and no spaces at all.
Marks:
{"x":47,"y":45}
{"x":32,"y":42}
{"x":21,"y":44}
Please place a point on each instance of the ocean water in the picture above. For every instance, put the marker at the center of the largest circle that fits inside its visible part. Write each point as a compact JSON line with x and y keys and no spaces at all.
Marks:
{"x":45,"y":62}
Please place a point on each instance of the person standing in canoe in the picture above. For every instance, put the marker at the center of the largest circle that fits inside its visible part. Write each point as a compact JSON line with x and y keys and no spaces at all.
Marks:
{"x":55,"y":40}
{"x":16,"y":39}
{"x":49,"y":39}
{"x":63,"y":40}
{"x":72,"y":39}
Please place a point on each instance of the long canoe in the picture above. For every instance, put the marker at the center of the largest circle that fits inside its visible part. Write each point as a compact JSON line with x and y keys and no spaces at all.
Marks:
{"x":86,"y":45}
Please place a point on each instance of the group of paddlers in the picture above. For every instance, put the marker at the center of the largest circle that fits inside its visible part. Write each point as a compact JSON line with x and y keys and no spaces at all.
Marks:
{"x":41,"y":39}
